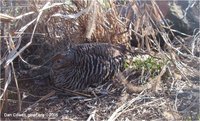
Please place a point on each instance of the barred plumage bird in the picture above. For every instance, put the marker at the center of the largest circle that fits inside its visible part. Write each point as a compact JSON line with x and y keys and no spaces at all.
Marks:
{"x":87,"y":65}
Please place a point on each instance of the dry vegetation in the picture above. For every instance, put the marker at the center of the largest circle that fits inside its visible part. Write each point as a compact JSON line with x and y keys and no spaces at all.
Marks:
{"x":161,"y":83}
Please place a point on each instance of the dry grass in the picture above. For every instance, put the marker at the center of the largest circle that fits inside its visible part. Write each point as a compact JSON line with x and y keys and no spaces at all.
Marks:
{"x":32,"y":32}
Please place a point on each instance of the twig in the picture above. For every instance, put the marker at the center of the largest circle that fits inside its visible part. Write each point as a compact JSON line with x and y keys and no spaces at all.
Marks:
{"x":72,"y":92}
{"x":41,"y":99}
{"x":14,"y":54}
{"x":123,"y":107}
{"x":92,"y":116}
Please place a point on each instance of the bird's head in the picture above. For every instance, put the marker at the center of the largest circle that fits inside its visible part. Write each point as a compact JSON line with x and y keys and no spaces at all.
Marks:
{"x":64,"y":59}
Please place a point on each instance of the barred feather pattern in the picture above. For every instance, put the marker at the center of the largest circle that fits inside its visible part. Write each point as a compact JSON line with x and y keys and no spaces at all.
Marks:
{"x":86,"y":65}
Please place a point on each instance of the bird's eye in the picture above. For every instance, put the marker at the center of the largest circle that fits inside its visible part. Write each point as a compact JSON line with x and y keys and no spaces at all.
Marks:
{"x":59,"y":61}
